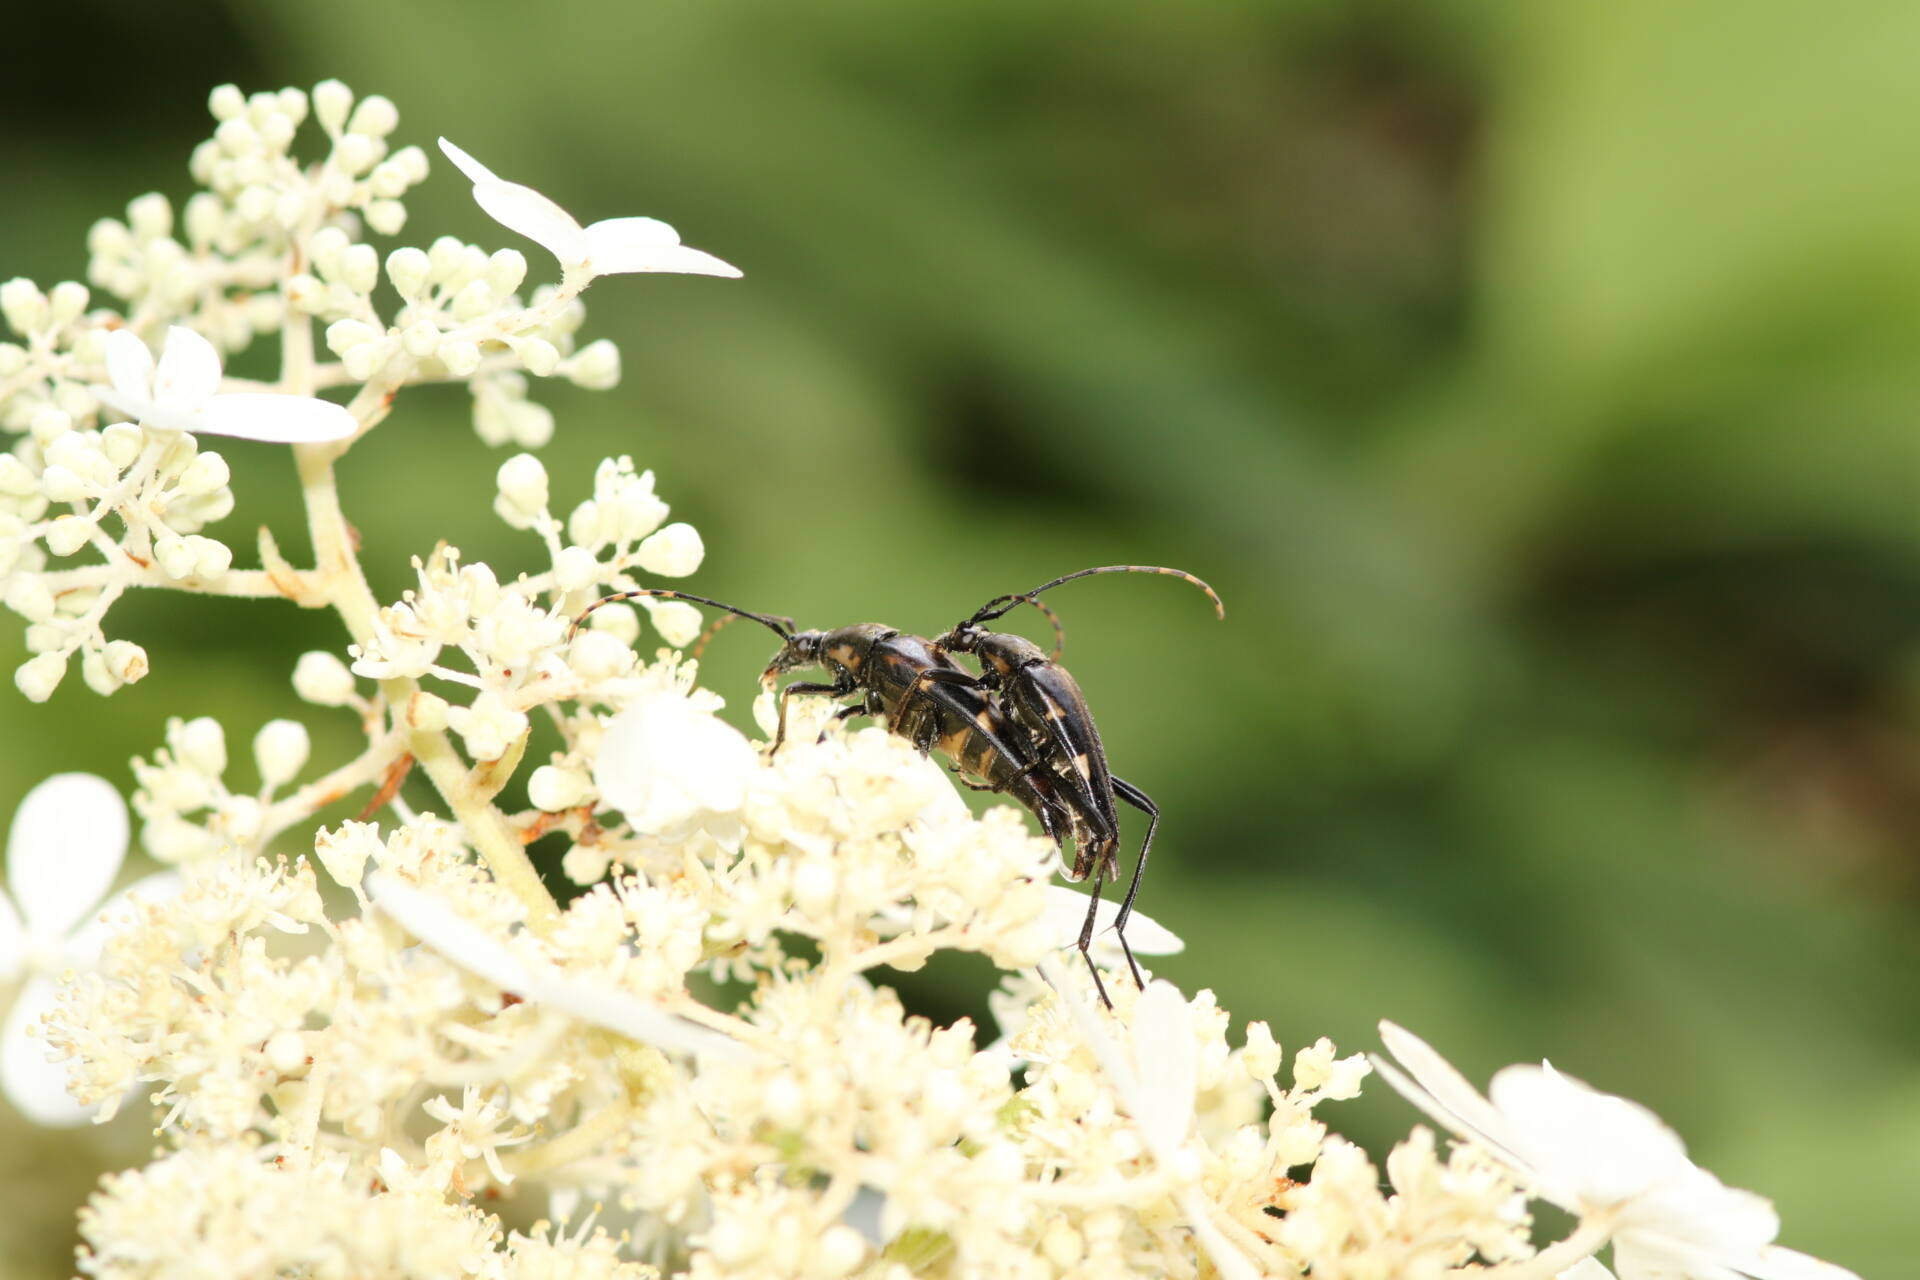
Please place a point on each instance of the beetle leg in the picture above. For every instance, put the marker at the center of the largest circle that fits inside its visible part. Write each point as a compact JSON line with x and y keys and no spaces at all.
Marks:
{"x":840,"y":688}
{"x":1139,"y":800}
{"x":1086,"y":942}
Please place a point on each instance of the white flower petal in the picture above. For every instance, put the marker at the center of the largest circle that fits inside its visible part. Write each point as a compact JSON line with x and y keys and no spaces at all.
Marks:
{"x":632,"y":1017}
{"x":520,"y":208}
{"x":1444,"y":1094}
{"x":436,"y":924}
{"x":1604,"y":1148}
{"x":13,"y":941}
{"x":189,"y":370}
{"x":276,"y":419}
{"x":1165,"y":1056}
{"x":83,"y":948}
{"x":467,"y":945}
{"x":68,"y":839}
{"x":618,"y":245}
{"x":1587,"y":1269}
{"x":663,"y":762}
{"x":1066,"y":912}
{"x":475,"y":171}
{"x":36,"y":1087}
{"x":129,"y":369}
{"x":1776,"y":1263}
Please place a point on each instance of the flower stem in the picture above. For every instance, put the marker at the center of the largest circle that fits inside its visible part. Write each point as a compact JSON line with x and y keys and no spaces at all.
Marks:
{"x":345,"y":585}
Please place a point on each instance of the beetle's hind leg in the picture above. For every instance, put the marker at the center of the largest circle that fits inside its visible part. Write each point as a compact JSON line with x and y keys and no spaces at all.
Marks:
{"x":1141,"y":801}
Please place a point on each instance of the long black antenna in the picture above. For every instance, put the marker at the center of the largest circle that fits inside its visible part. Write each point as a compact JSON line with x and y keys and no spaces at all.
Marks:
{"x":782,"y":627}
{"x":999,"y":606}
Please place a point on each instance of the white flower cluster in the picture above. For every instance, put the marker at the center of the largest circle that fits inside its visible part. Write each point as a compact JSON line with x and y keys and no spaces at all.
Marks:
{"x":107,"y":459}
{"x":354,"y":1049}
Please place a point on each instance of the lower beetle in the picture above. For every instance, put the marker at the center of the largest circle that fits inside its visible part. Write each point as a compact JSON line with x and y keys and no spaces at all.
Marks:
{"x":1043,"y":698}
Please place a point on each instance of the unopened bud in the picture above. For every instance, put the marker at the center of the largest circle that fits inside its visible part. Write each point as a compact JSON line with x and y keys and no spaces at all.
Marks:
{"x":280,"y":750}
{"x":322,"y":679}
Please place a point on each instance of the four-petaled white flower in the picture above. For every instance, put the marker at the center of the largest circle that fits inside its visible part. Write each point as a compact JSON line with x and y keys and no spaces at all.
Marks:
{"x":608,"y":247}
{"x":1607,"y":1160}
{"x":467,"y":945}
{"x":64,"y":850}
{"x":183,"y":394}
{"x":665,"y":763}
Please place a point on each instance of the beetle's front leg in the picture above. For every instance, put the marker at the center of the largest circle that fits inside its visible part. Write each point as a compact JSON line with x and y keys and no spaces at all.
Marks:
{"x":840,"y":688}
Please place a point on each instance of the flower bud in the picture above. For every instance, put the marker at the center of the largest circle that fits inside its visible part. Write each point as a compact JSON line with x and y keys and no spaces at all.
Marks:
{"x":23,"y":305}
{"x":596,"y":366}
{"x":355,"y":153}
{"x":126,"y":660}
{"x":538,"y":356}
{"x":461,"y":357}
{"x":122,"y":442}
{"x":60,"y":484}
{"x":523,"y":487}
{"x":69,"y":299}
{"x":67,"y":534}
{"x":673,"y":552}
{"x":574,"y":568}
{"x":385,"y":217}
{"x":205,"y":218}
{"x":150,"y":217}
{"x":203,"y":475}
{"x":553,"y":788}
{"x":37,"y":678}
{"x":280,"y":750}
{"x":408,"y":268}
{"x":94,"y":671}
{"x":359,"y":268}
{"x":473,"y":300}
{"x":16,"y":479}
{"x":489,"y":727}
{"x":322,"y":679}
{"x":677,"y":621}
{"x":331,"y":102}
{"x":1261,"y":1058}
{"x":226,"y":102}
{"x":376,"y":116}
{"x":599,"y":655}
{"x":344,"y":335}
{"x":506,"y":268}
{"x":427,"y":712}
{"x":27,"y":595}
{"x":200,"y":744}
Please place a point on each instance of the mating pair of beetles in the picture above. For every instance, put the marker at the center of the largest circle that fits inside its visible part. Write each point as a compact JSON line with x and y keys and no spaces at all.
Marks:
{"x":1020,"y":725}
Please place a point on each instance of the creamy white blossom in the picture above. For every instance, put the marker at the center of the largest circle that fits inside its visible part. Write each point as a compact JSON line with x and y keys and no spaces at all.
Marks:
{"x":64,"y":850}
{"x":608,"y":247}
{"x":182,"y":393}
{"x":1600,"y":1156}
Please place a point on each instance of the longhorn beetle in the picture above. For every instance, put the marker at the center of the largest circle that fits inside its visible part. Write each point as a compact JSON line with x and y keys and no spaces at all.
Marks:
{"x":1039,"y":695}
{"x":920,"y":692}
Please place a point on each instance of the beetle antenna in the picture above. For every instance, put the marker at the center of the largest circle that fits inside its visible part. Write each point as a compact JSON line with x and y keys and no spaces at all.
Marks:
{"x":782,"y":627}
{"x":999,"y":606}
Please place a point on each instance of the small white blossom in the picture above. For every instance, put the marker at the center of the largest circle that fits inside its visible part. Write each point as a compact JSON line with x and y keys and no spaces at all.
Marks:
{"x":664,"y":763}
{"x":1595,"y":1154}
{"x":182,"y":393}
{"x":608,"y":247}
{"x":64,"y":849}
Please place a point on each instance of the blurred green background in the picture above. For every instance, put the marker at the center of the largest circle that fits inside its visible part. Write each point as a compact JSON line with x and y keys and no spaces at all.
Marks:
{"x":1539,"y":384}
